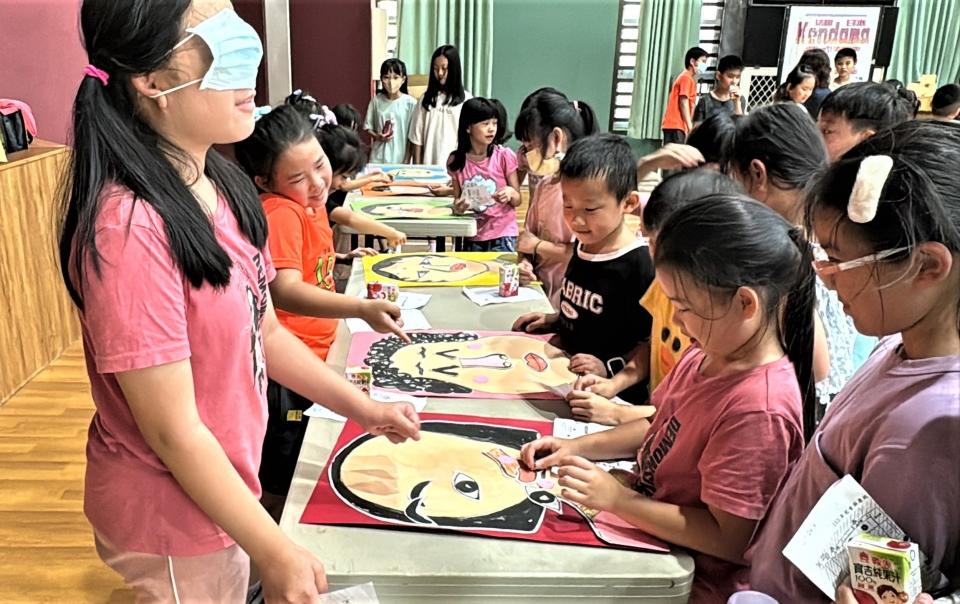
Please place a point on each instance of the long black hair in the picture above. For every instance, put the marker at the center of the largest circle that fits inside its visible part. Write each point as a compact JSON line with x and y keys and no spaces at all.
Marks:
{"x":796,"y":77}
{"x":785,"y":139}
{"x":868,"y":105}
{"x":343,"y":148}
{"x":113,"y":144}
{"x":474,"y":111}
{"x":714,"y":137}
{"x":273,"y":134}
{"x":453,"y":87}
{"x":724,"y":242}
{"x":681,"y":188}
{"x":547,"y":110}
{"x":398,"y":67}
{"x":818,"y":61}
{"x":920,"y":200}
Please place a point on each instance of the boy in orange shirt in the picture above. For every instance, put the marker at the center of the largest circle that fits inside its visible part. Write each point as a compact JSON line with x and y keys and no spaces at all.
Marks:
{"x":678,"y":119}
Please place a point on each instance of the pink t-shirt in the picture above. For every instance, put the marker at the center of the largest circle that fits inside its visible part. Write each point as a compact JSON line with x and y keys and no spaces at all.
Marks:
{"x":500,"y":219}
{"x":545,"y":220}
{"x":142,"y":312}
{"x":725,"y":442}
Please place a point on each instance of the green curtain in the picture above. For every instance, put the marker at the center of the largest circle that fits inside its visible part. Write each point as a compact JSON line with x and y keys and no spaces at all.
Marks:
{"x":668,"y":28}
{"x":467,"y":24}
{"x":927,"y":40}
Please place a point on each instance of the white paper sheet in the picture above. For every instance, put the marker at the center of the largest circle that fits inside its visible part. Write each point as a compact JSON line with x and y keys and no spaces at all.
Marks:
{"x":412,"y":320}
{"x":819,"y":549}
{"x":482,"y":296}
{"x":376,"y":394}
{"x":572,"y":428}
{"x":355,"y":594}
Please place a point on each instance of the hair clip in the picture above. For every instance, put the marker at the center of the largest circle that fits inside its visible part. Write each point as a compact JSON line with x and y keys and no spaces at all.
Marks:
{"x":259,"y":112}
{"x":865,"y":196}
{"x":324,"y":118}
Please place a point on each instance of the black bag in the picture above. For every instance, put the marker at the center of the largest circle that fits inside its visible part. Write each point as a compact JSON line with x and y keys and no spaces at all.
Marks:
{"x":15,"y":135}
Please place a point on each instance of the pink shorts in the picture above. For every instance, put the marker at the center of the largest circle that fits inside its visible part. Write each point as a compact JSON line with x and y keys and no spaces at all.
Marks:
{"x":211,"y":578}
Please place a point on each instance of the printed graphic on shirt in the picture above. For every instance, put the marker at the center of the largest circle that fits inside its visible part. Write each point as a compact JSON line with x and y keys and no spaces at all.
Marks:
{"x":671,"y":346}
{"x":325,"y":265}
{"x":580,"y":297}
{"x":650,"y":457}
{"x":258,"y":308}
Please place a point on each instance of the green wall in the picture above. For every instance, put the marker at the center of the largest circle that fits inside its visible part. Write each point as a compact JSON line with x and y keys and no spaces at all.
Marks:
{"x":567,"y":44}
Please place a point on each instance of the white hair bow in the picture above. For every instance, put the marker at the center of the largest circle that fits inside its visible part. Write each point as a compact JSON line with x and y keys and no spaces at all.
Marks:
{"x":865,"y":196}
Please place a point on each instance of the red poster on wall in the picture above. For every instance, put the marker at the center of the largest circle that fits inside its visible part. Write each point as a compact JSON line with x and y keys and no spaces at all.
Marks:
{"x":462,"y":475}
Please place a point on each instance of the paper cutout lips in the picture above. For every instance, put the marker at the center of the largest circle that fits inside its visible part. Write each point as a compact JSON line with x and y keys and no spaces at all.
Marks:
{"x":535,"y":361}
{"x":458,"y":266}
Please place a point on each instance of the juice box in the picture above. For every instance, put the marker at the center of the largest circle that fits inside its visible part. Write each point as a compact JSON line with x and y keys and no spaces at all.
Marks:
{"x":361,"y":377}
{"x":509,"y":280}
{"x":884,"y":571}
{"x":382,"y":291}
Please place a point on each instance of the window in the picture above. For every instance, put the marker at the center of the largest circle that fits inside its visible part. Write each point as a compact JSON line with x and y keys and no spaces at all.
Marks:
{"x":392,"y":8}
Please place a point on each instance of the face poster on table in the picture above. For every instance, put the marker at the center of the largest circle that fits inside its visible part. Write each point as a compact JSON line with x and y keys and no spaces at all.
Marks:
{"x":404,"y":173}
{"x":464,"y":364}
{"x":462,"y":475}
{"x":427,"y":208}
{"x":432,"y":269}
{"x":831,"y":28}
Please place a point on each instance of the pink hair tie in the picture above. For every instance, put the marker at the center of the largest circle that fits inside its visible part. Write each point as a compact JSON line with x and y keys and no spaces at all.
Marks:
{"x":100,"y":74}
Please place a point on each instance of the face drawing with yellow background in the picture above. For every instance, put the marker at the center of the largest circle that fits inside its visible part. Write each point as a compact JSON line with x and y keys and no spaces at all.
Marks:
{"x":429,"y":268}
{"x":414,"y":173}
{"x":458,"y":475}
{"x":463,"y":362}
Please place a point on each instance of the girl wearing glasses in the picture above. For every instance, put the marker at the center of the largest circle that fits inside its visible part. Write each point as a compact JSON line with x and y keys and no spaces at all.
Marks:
{"x":887,"y":216}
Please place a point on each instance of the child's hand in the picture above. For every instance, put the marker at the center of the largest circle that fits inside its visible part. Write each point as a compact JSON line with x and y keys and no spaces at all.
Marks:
{"x":673,"y":156}
{"x":589,"y":407}
{"x":533,"y":321}
{"x":383,"y":317}
{"x":440,"y":190}
{"x":597,"y":385}
{"x":381,"y":177}
{"x":294,"y":576}
{"x":585,"y":483}
{"x":395,"y":238}
{"x":506,"y":195}
{"x":360,"y":252}
{"x":549,"y":449}
{"x":396,"y":421}
{"x":587,"y":363}
{"x":461,"y":206}
{"x":527,"y":276}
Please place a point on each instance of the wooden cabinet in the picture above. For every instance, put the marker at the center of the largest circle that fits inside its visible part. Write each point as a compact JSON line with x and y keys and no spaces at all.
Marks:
{"x":37,"y":319}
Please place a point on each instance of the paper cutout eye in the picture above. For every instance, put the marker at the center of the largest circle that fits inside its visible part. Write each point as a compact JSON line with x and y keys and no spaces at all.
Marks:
{"x":544,"y":499}
{"x":466,"y":486}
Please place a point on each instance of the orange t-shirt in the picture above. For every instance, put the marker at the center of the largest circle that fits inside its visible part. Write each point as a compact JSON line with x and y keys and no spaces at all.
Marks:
{"x":302,"y":239}
{"x":686,"y":86}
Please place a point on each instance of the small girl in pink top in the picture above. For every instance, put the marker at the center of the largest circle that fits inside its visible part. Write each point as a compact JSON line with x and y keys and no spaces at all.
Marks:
{"x":547,"y":125}
{"x":484,"y":175}
{"x":728,"y":421}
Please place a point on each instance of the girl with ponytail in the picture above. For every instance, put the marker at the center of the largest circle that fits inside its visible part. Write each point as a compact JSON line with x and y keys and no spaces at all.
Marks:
{"x":162,"y":250}
{"x":728,"y":423}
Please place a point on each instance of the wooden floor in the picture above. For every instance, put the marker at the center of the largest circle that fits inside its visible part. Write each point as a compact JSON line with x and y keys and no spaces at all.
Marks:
{"x":46,"y":544}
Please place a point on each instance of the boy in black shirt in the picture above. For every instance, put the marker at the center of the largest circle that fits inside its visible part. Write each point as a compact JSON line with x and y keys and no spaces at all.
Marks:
{"x":600,"y":321}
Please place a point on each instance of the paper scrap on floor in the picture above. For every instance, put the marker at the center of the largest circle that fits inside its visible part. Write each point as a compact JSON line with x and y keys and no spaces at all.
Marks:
{"x":482,"y":296}
{"x":381,"y":396}
{"x":819,"y":549}
{"x":412,"y":320}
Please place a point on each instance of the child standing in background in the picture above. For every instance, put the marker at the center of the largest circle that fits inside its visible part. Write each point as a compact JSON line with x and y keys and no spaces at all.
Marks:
{"x":433,"y":128}
{"x":389,"y":113}
{"x":484,"y":178}
{"x":678,"y":118}
{"x":347,"y":116}
{"x":886,"y":217}
{"x":523,"y":170}
{"x":727,"y":427}
{"x":546,"y":128}
{"x":797,"y":88}
{"x":725,"y":95}
{"x":845,"y":62}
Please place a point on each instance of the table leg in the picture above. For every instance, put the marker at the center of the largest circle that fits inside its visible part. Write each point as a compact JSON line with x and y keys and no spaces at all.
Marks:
{"x":441,"y":244}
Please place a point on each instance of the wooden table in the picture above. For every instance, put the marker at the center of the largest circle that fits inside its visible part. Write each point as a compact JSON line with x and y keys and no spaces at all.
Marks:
{"x":410,"y":566}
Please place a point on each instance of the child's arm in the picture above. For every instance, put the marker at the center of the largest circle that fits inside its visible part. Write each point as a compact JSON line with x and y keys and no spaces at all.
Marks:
{"x":711,"y":530}
{"x":511,"y":193}
{"x":361,"y":181}
{"x":617,"y":443}
{"x":368,"y":226}
{"x":531,"y":245}
{"x":534,"y":321}
{"x":685,"y":113}
{"x":669,"y":157}
{"x":292,"y":294}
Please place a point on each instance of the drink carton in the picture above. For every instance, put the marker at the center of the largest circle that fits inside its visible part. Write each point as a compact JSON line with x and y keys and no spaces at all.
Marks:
{"x":884,"y":571}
